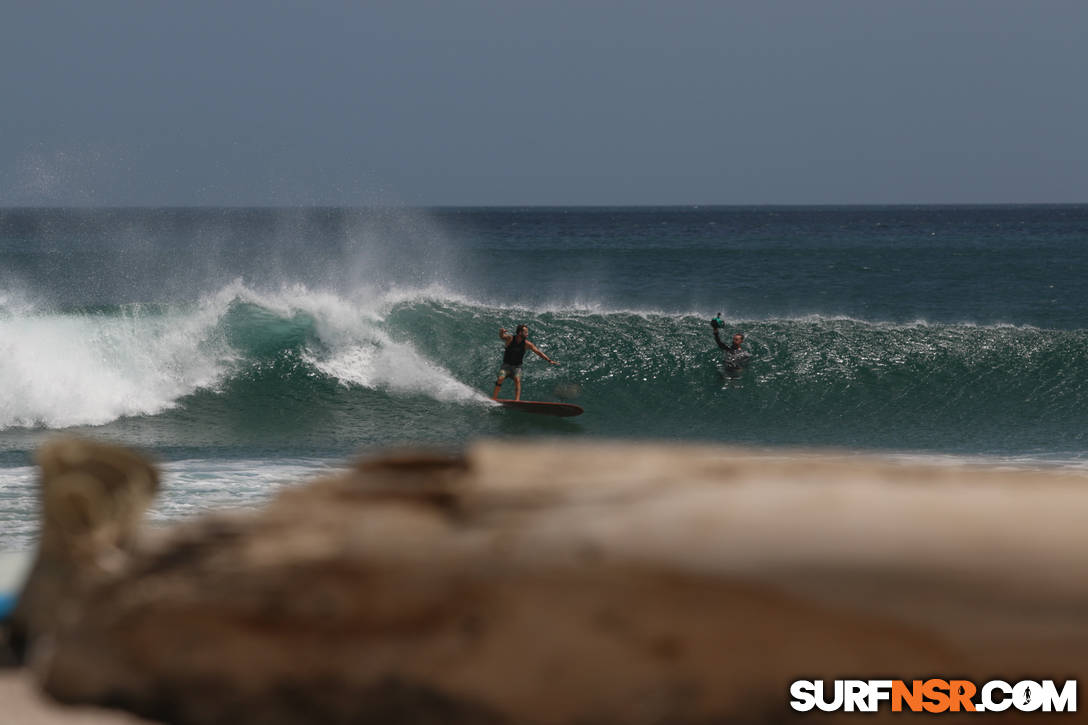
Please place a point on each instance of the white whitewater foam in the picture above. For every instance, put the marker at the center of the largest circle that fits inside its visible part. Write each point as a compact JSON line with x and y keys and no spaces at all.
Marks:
{"x":188,"y":488}
{"x":19,"y":509}
{"x":355,"y":349}
{"x":65,"y":369}
{"x":195,"y":486}
{"x":68,"y":369}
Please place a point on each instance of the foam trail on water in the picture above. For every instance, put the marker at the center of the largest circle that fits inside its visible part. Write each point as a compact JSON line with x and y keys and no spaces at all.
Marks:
{"x":357,"y":351}
{"x":196,"y":486}
{"x":19,"y":508}
{"x":394,"y":367}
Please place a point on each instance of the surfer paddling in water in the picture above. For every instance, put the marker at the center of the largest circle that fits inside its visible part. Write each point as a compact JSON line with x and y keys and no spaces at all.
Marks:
{"x":735,"y":357}
{"x":516,"y":345}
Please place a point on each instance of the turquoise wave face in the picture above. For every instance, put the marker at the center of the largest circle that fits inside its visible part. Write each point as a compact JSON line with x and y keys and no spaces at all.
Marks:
{"x":812,"y":381}
{"x":308,"y":372}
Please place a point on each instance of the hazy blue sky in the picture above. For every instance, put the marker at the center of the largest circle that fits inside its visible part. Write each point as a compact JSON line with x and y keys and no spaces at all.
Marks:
{"x":543,"y":102}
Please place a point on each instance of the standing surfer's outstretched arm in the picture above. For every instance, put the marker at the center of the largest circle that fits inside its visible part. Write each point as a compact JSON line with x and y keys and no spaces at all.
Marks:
{"x":536,"y":349}
{"x":503,"y":336}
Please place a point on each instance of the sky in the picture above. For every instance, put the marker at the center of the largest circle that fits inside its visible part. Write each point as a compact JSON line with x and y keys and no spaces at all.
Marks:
{"x":553,"y":102}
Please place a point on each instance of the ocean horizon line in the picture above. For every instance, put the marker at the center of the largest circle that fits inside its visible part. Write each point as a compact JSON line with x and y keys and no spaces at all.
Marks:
{"x":529,"y":206}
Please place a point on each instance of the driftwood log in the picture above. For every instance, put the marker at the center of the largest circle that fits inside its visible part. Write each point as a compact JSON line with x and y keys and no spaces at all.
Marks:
{"x":554,"y":584}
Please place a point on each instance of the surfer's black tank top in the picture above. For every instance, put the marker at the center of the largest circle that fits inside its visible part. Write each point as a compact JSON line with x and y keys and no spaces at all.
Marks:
{"x":515,"y":352}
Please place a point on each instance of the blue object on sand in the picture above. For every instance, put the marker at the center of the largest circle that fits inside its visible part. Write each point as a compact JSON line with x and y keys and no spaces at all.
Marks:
{"x":7,"y":604}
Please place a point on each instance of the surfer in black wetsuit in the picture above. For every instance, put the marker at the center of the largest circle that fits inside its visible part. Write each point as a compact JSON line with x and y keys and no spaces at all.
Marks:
{"x":516,"y":345}
{"x":735,"y":357}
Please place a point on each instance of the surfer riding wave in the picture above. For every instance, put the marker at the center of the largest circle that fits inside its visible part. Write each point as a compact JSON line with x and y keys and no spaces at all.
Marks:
{"x":513,"y":356}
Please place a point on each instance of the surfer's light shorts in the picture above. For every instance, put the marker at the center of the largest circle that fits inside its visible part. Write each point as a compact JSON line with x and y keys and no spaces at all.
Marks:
{"x":513,"y":371}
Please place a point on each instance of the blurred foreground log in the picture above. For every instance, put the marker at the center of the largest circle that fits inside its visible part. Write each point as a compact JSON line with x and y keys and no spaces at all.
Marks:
{"x":549,"y":583}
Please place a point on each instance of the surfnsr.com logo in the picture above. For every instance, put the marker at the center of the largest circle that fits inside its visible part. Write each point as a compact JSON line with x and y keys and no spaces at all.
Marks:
{"x":933,"y":696}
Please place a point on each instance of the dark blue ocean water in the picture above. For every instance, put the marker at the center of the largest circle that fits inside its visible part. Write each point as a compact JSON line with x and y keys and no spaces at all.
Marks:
{"x":242,"y":346}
